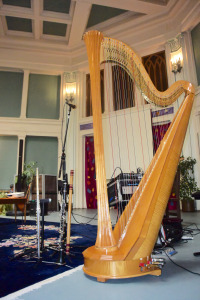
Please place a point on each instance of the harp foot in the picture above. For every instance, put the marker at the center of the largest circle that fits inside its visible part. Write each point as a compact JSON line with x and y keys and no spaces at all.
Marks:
{"x":157,"y":272}
{"x":99,"y":279}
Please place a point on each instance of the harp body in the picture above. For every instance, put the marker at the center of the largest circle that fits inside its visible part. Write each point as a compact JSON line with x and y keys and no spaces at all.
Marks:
{"x":126,"y":251}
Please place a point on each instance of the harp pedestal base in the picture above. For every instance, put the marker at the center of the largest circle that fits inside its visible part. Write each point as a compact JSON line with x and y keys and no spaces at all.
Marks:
{"x":105,"y":269}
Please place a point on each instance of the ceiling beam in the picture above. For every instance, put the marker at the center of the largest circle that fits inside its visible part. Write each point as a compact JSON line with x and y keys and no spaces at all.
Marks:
{"x":1,"y":28}
{"x":28,"y":13}
{"x":56,"y":17}
{"x":13,"y":11}
{"x":131,"y":5}
{"x":80,"y":19}
{"x":36,"y":22}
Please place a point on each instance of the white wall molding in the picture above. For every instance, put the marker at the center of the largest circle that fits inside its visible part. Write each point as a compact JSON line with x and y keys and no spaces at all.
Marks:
{"x":23,"y":126}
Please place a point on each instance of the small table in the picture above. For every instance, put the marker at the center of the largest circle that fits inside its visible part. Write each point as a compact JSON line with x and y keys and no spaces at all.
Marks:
{"x":15,"y":200}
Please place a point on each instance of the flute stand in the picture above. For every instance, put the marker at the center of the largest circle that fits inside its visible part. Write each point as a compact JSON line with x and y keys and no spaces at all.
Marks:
{"x":64,"y":190}
{"x":32,"y":251}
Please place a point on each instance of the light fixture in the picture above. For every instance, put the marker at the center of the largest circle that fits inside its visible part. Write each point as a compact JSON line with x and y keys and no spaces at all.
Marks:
{"x":176,"y":61}
{"x":70,"y":91}
{"x":69,"y":87}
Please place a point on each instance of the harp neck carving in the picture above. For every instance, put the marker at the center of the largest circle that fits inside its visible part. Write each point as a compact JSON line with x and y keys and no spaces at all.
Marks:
{"x":115,"y":51}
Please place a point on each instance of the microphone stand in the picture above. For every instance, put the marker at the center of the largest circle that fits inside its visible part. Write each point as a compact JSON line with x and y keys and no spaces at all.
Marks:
{"x":64,"y":191}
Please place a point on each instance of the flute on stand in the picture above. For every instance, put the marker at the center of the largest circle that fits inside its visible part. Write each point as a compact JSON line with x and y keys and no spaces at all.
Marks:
{"x":62,"y":230}
{"x":38,"y":213}
{"x":69,"y":212}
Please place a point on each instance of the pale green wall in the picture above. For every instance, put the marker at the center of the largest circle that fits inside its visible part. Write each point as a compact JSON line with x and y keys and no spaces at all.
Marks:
{"x":43,"y":150}
{"x":10,"y":93}
{"x":43,"y":96}
{"x":8,"y":160}
{"x":195,"y":33}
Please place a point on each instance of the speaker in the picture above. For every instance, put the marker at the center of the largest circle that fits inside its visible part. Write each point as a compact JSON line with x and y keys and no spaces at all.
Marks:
{"x":173,"y":229}
{"x":32,"y":209}
{"x":47,"y":189}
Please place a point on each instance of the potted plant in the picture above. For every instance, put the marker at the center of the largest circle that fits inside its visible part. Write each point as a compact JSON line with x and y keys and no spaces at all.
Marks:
{"x":29,"y":171}
{"x":4,"y":207}
{"x":27,"y":175}
{"x":188,"y":184}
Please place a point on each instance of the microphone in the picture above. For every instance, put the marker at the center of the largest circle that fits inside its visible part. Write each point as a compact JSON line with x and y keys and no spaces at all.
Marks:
{"x":70,"y":104}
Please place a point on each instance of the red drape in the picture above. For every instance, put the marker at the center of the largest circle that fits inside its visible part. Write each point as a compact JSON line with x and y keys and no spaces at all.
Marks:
{"x":90,"y":177}
{"x":158,"y":134}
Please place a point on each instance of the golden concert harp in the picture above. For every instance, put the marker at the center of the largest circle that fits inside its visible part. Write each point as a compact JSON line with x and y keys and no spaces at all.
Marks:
{"x":126,"y":251}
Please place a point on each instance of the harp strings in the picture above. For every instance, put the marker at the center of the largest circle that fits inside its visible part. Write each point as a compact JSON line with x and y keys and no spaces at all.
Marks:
{"x":124,"y":98}
{"x":120,"y":57}
{"x":122,"y":92}
{"x":125,"y":92}
{"x":107,"y":74}
{"x":137,"y":195}
{"x":113,"y":107}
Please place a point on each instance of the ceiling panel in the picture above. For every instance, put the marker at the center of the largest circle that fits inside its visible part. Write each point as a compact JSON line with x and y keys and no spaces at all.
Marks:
{"x":101,"y":13}
{"x":62,"y":6}
{"x":21,"y":3}
{"x":52,"y":28}
{"x":19,"y":24}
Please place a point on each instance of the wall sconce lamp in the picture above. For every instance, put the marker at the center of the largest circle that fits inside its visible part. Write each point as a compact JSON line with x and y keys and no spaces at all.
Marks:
{"x":176,"y":61}
{"x":70,"y":91}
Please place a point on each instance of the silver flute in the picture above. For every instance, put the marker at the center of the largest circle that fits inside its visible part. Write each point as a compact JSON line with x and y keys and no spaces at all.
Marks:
{"x":62,"y":231}
{"x":38,"y":213}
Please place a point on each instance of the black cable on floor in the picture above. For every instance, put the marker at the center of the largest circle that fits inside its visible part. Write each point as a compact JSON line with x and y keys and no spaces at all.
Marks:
{"x":166,"y":245}
{"x":191,"y":231}
{"x":181,"y":266}
{"x":91,"y":219}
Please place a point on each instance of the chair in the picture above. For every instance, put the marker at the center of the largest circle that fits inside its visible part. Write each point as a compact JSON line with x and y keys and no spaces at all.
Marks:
{"x":22,"y":207}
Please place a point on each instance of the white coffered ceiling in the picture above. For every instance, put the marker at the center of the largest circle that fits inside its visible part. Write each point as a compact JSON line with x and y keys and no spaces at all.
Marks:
{"x":58,"y":25}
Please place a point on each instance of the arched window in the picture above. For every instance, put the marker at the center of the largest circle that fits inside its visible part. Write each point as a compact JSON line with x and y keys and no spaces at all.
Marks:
{"x":89,"y":95}
{"x":155,"y":65}
{"x":123,"y":89}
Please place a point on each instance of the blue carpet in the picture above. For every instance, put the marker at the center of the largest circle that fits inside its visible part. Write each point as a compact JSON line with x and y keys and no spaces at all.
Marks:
{"x":23,"y":271}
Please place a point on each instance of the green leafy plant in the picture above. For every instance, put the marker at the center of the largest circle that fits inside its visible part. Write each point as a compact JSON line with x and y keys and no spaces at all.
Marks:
{"x":3,"y":195}
{"x":29,"y":171}
{"x":4,"y":208}
{"x":188,"y":184}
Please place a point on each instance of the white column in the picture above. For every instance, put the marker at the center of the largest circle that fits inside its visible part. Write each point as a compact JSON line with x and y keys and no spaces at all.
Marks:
{"x":188,"y":59}
{"x":81,"y":94}
{"x":170,"y":75}
{"x":79,"y":197}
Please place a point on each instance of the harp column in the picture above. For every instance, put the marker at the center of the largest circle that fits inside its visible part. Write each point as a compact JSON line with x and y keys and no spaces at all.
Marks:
{"x":105,"y":236}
